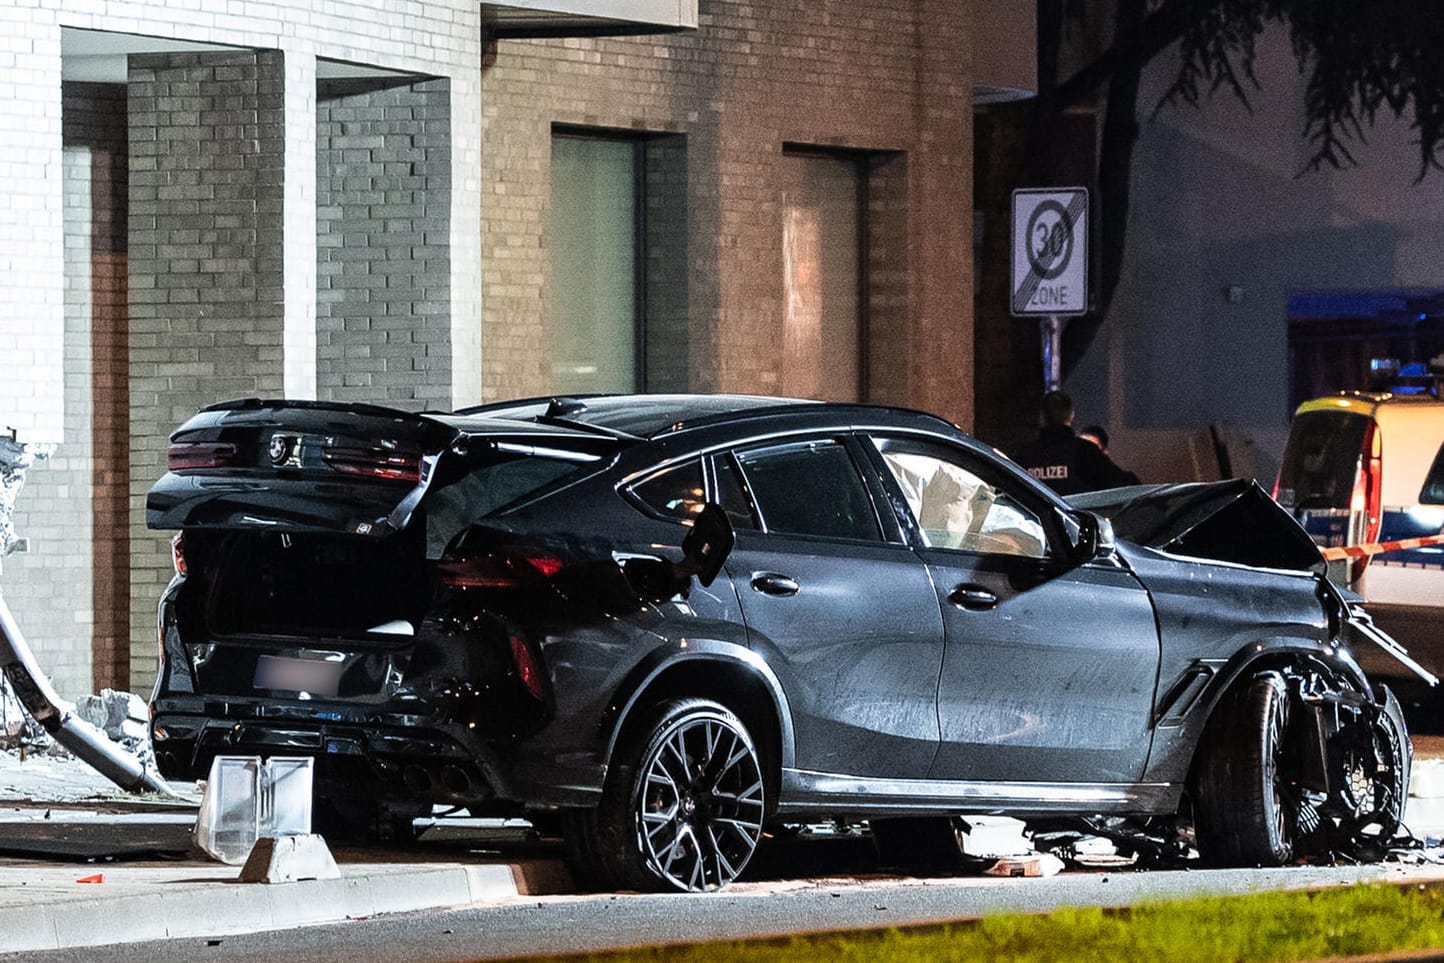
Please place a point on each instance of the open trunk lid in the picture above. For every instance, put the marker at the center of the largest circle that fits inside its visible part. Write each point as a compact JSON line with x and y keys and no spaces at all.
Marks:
{"x":295,"y":466}
{"x":307,"y":467}
{"x":1226,"y":521}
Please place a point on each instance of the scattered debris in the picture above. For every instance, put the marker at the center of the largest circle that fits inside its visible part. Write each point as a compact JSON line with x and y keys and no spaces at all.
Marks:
{"x":1039,"y":864}
{"x":123,"y":716}
{"x":18,"y":731}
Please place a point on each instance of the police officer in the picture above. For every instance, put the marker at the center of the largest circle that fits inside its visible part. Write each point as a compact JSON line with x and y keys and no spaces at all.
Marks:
{"x":1064,"y":462}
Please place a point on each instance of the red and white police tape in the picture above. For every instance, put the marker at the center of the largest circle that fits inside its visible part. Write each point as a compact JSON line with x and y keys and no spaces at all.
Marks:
{"x":1379,"y":548}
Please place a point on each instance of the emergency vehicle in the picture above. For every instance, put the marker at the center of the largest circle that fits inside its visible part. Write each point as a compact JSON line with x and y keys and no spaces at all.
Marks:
{"x":1364,"y":467}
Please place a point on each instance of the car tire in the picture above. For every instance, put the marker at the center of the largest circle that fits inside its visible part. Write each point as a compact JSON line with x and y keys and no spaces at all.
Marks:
{"x":924,"y":844}
{"x":1244,"y":813}
{"x":682,"y":807}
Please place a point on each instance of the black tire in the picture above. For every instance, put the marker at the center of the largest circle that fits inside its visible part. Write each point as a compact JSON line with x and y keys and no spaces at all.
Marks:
{"x":682,"y":808}
{"x":917,"y":843}
{"x":1244,"y":812}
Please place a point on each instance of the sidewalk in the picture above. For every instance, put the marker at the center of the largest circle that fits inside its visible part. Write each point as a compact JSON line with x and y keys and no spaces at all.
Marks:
{"x":148,"y":885}
{"x":118,"y":868}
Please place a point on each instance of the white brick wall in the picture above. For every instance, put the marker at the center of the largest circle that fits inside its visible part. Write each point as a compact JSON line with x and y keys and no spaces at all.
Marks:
{"x":31,"y":264}
{"x":300,"y":222}
{"x":53,"y":512}
{"x":435,"y":37}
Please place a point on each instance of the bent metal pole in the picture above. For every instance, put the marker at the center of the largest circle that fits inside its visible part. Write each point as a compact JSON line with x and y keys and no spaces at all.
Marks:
{"x":29,"y":683}
{"x":59,"y":718}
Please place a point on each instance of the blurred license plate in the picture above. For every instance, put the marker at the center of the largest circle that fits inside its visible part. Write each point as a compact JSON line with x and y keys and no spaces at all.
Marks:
{"x":297,"y":675}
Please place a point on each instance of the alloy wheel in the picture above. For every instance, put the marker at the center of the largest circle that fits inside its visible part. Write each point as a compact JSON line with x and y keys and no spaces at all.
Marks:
{"x":699,"y":801}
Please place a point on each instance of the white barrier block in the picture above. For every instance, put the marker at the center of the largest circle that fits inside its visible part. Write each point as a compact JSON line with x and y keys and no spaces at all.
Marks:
{"x":287,"y":859}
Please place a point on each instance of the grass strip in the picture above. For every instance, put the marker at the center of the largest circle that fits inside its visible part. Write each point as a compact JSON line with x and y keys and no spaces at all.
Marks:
{"x":1288,"y":926}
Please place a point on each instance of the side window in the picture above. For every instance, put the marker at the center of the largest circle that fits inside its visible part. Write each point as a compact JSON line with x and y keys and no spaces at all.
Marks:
{"x":675,"y":492}
{"x":810,"y":489}
{"x":1433,"y":491}
{"x":956,"y":508}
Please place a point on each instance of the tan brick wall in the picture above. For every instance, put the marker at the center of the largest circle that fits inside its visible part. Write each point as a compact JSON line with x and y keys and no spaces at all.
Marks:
{"x":892,"y":81}
{"x":205,"y":246}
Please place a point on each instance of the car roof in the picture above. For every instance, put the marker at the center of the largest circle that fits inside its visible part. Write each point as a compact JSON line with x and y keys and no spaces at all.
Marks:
{"x":634,"y":416}
{"x":705,"y":419}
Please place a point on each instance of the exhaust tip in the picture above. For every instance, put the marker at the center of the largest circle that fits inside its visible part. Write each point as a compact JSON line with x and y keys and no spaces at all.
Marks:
{"x":455,"y":781}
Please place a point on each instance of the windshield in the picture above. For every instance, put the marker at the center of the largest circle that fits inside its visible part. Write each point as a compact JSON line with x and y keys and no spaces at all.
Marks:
{"x":1321,"y":461}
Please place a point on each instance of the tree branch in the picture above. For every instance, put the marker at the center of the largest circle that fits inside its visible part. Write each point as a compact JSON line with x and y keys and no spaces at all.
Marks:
{"x":1160,"y":29}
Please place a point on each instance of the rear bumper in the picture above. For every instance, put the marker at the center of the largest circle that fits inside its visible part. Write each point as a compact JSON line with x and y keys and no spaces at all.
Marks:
{"x":391,"y":757}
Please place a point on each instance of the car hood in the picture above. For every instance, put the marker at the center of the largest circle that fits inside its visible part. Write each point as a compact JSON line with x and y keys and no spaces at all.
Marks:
{"x":1226,"y":521}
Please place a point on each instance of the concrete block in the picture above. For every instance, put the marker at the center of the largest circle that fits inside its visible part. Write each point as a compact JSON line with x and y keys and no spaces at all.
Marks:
{"x":288,"y":859}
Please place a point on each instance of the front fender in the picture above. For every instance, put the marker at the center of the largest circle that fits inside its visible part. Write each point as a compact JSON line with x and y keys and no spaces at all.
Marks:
{"x":1179,"y":733}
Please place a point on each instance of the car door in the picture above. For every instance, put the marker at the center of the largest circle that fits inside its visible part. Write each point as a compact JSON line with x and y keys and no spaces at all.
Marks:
{"x":1050,"y":666}
{"x":839,"y":605}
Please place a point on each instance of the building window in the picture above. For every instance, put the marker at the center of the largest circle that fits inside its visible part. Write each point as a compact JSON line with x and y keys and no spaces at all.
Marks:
{"x":1333,"y":336}
{"x":596,"y":230}
{"x":824,"y":307}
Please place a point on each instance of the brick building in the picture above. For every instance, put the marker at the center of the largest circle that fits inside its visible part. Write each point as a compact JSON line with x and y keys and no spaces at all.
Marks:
{"x":426,"y":204}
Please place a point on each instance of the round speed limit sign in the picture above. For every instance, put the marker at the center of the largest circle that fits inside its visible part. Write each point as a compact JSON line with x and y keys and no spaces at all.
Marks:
{"x":1050,"y":251}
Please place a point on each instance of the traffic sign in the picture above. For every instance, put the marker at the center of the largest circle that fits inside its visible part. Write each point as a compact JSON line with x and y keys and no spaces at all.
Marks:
{"x":1050,"y":251}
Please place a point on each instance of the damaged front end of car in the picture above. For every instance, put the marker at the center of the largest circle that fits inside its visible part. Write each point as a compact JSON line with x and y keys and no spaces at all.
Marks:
{"x":1330,"y":748}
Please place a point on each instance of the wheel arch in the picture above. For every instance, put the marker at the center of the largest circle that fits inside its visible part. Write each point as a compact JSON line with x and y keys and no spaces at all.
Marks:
{"x":1174,"y":755}
{"x":724,"y":672}
{"x":1331,"y":706}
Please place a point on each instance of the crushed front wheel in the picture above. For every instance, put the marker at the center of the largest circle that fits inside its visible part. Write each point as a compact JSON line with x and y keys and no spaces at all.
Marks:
{"x":1245,"y":811}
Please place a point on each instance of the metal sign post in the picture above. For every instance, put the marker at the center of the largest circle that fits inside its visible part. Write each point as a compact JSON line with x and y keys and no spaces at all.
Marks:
{"x":1050,"y":265}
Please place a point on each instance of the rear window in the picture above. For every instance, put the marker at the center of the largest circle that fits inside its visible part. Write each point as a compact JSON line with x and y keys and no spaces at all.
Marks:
{"x":1321,"y":461}
{"x":675,"y":492}
{"x":488,"y":488}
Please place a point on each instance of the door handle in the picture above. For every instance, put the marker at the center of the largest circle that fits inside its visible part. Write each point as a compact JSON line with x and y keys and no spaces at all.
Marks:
{"x":975,"y":598}
{"x":770,"y":583}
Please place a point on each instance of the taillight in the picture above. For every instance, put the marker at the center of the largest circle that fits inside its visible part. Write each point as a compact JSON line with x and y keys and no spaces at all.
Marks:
{"x":496,"y":570}
{"x":178,"y":553}
{"x":527,"y":668}
{"x":1366,"y":502}
{"x":378,"y":461}
{"x":193,"y":455}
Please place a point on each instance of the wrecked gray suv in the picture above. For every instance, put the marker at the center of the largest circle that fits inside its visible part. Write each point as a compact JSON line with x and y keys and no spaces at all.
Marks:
{"x":663,"y":623}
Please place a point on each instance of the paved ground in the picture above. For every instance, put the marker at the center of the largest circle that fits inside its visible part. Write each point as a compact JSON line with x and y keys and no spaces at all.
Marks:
{"x":85,"y":865}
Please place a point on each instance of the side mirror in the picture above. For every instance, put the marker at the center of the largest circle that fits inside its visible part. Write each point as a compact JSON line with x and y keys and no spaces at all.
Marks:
{"x":708,"y":544}
{"x":1095,"y":537}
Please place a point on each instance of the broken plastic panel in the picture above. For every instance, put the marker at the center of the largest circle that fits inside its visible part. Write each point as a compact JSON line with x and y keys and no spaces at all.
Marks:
{"x":247,"y":799}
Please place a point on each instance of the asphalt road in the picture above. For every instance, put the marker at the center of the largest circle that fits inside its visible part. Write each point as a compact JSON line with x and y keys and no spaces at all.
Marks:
{"x":775,"y":906}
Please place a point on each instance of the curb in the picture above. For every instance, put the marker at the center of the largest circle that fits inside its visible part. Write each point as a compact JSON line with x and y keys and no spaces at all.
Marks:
{"x":205,"y":905}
